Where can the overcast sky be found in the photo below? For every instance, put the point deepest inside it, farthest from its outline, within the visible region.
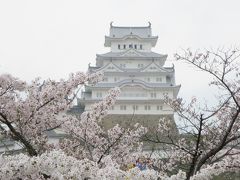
(51, 38)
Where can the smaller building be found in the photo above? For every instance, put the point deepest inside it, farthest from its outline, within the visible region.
(9, 146)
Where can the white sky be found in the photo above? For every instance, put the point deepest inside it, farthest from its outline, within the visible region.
(51, 38)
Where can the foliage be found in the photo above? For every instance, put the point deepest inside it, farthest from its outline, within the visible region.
(211, 135)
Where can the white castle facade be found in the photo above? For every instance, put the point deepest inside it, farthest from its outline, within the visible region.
(139, 72)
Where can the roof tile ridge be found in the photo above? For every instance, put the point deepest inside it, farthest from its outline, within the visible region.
(112, 26)
(134, 50)
(162, 68)
(158, 53)
(103, 67)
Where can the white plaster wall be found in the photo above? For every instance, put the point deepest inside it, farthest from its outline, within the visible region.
(146, 78)
(131, 64)
(166, 110)
(135, 92)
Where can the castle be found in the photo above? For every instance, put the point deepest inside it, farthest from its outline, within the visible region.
(139, 72)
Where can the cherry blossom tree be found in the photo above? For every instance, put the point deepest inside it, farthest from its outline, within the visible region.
(210, 136)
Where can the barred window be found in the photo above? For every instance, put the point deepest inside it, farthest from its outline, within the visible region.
(153, 95)
(135, 107)
(159, 79)
(159, 107)
(147, 107)
(123, 107)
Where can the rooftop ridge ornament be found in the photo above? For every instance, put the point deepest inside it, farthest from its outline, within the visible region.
(149, 24)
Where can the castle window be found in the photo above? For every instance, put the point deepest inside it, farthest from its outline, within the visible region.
(159, 107)
(140, 65)
(123, 107)
(135, 46)
(124, 46)
(116, 79)
(112, 108)
(168, 79)
(141, 46)
(130, 46)
(135, 107)
(159, 79)
(153, 95)
(119, 46)
(147, 107)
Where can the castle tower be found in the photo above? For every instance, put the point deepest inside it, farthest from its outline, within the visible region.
(139, 72)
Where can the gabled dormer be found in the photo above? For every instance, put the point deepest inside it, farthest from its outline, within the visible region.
(154, 67)
(131, 53)
(110, 67)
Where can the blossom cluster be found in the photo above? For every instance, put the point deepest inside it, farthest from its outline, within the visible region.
(86, 137)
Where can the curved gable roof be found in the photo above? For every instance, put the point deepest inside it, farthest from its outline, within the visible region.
(108, 65)
(137, 54)
(120, 32)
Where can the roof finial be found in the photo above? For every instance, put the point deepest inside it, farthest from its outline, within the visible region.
(111, 24)
(149, 24)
